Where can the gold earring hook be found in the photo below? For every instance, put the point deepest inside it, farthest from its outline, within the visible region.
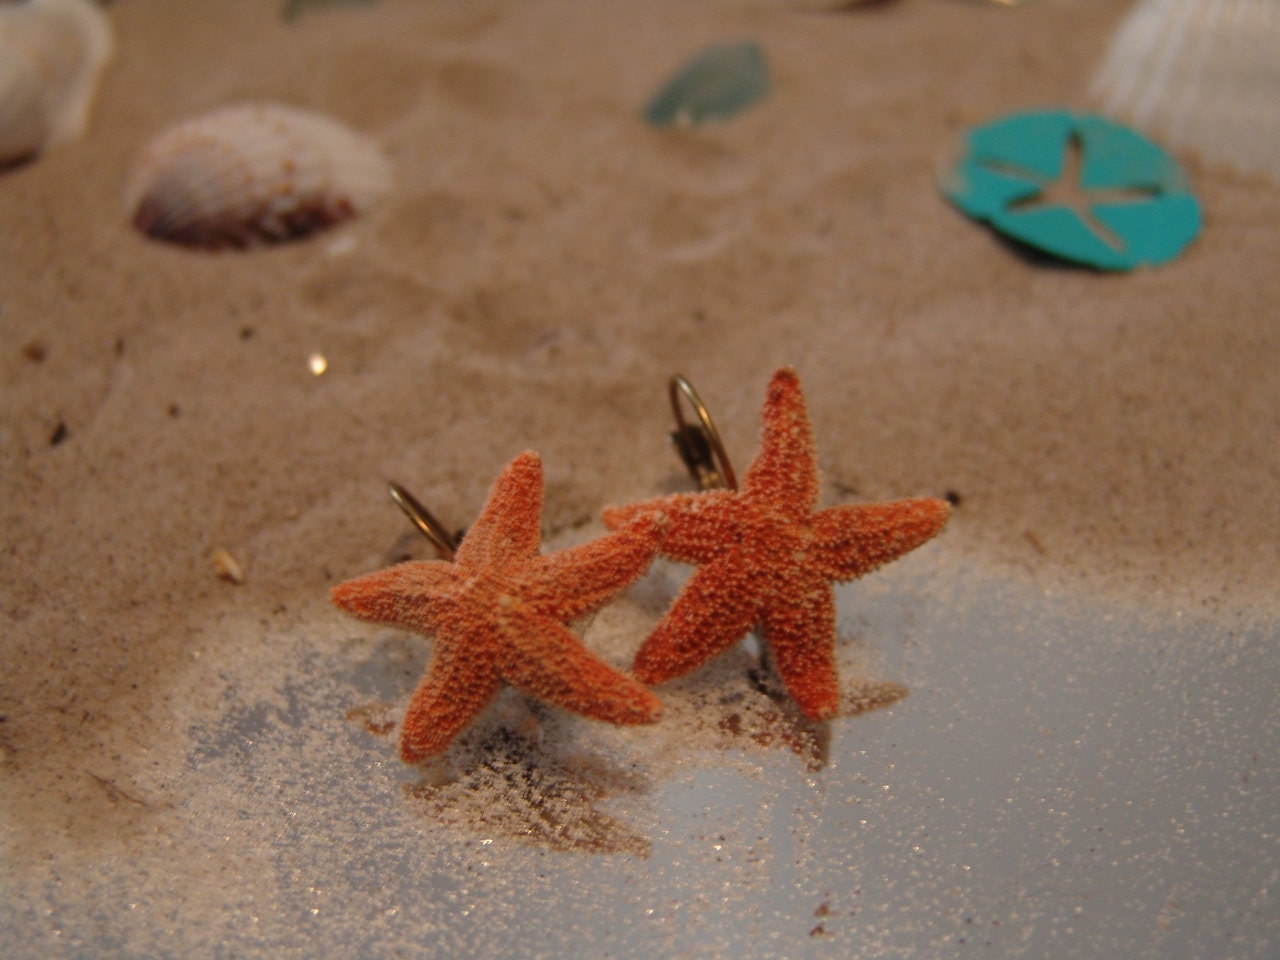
(699, 444)
(446, 544)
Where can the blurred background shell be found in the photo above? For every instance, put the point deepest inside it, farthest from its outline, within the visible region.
(51, 53)
(1201, 75)
(253, 174)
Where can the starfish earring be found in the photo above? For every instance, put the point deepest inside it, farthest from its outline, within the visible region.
(499, 610)
(767, 559)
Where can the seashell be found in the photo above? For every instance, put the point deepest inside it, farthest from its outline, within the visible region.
(1203, 75)
(51, 53)
(248, 175)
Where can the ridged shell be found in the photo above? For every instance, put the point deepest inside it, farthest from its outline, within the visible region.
(1203, 76)
(253, 174)
(51, 52)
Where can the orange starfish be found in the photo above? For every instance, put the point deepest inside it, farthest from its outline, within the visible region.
(769, 560)
(498, 614)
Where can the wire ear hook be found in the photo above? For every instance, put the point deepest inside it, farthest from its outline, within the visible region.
(699, 445)
(446, 544)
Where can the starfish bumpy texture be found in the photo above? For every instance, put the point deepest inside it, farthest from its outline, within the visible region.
(498, 615)
(768, 559)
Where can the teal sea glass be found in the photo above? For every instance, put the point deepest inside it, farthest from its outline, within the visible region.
(296, 8)
(716, 84)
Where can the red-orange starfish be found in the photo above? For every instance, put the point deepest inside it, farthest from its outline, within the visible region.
(498, 614)
(769, 560)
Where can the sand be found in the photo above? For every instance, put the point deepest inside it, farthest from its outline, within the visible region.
(545, 263)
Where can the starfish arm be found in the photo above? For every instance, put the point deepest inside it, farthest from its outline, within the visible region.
(453, 692)
(714, 610)
(568, 583)
(784, 474)
(800, 631)
(698, 521)
(546, 661)
(507, 529)
(399, 596)
(854, 539)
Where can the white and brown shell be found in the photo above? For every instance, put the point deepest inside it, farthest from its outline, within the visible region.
(248, 175)
(51, 53)
(1202, 76)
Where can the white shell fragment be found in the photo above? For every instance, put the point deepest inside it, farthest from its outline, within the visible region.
(1203, 76)
(248, 175)
(51, 52)
(227, 567)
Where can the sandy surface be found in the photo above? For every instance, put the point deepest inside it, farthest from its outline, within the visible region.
(545, 263)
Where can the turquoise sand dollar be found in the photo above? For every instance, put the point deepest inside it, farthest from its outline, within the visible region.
(1077, 186)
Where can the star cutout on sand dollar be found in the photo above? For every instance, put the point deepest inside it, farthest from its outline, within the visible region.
(1077, 186)
(499, 613)
(768, 559)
